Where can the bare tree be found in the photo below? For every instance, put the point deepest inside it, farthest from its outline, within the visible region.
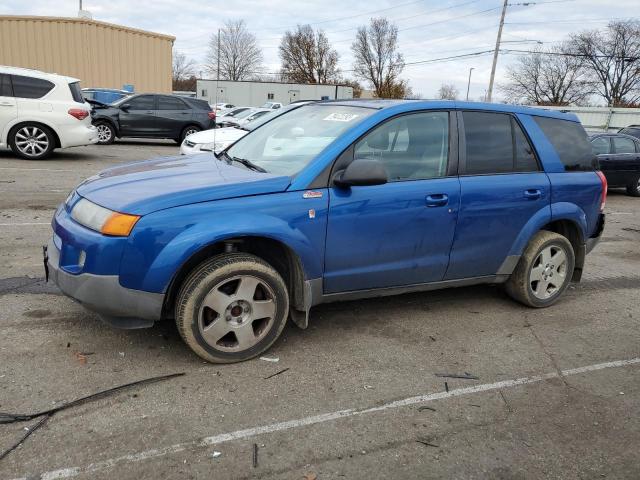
(377, 59)
(448, 91)
(307, 56)
(183, 68)
(239, 55)
(613, 58)
(554, 77)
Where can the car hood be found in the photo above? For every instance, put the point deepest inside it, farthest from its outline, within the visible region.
(144, 187)
(217, 135)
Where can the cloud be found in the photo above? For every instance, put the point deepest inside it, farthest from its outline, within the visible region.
(428, 29)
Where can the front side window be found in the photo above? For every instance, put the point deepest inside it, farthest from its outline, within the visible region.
(28, 87)
(624, 145)
(287, 143)
(601, 145)
(411, 147)
(170, 103)
(144, 102)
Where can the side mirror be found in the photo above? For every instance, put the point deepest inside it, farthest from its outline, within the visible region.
(125, 107)
(362, 172)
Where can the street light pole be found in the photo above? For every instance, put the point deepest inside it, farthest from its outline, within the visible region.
(496, 51)
(469, 82)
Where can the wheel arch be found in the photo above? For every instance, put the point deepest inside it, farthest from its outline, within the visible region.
(22, 123)
(275, 252)
(571, 230)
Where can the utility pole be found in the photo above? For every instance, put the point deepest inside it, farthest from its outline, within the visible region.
(469, 82)
(496, 51)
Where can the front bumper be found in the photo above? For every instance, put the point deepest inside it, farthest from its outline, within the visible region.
(118, 306)
(189, 148)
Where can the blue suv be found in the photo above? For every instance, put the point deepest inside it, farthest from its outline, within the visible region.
(333, 201)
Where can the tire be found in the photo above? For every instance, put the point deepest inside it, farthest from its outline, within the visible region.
(216, 313)
(633, 188)
(32, 141)
(540, 264)
(106, 133)
(186, 131)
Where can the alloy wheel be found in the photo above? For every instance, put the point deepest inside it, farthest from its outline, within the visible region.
(237, 313)
(549, 272)
(104, 133)
(31, 141)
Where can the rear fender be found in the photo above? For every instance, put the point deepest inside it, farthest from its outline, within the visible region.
(533, 226)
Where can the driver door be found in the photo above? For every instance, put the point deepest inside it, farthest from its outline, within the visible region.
(139, 118)
(399, 233)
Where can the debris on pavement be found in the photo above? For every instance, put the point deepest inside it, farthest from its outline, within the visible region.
(277, 373)
(427, 443)
(216, 454)
(270, 359)
(310, 476)
(424, 407)
(6, 418)
(465, 376)
(446, 386)
(255, 455)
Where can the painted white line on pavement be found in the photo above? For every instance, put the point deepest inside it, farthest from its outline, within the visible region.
(327, 417)
(26, 224)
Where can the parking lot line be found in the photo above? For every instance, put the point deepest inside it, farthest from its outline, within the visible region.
(25, 224)
(70, 472)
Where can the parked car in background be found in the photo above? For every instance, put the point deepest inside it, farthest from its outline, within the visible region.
(216, 140)
(619, 158)
(218, 107)
(104, 95)
(272, 105)
(40, 112)
(633, 130)
(257, 113)
(152, 116)
(230, 117)
(333, 201)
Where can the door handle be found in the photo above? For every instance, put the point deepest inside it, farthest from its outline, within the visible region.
(533, 194)
(149, 112)
(437, 200)
(6, 104)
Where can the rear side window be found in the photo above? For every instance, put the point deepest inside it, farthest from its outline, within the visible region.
(76, 92)
(624, 145)
(28, 87)
(570, 141)
(601, 145)
(5, 86)
(170, 103)
(495, 143)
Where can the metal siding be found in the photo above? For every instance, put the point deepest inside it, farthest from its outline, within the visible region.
(99, 54)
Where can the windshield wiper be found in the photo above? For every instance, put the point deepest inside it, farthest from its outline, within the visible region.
(243, 161)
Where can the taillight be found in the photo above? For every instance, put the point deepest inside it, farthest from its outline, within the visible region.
(79, 113)
(603, 199)
(212, 115)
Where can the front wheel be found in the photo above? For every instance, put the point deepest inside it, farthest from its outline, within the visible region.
(231, 308)
(633, 188)
(188, 131)
(544, 271)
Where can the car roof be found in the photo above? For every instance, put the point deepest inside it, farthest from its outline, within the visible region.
(36, 74)
(381, 104)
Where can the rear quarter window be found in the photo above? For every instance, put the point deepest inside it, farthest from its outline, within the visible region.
(29, 87)
(571, 143)
(76, 92)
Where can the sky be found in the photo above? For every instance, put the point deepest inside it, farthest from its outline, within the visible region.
(428, 30)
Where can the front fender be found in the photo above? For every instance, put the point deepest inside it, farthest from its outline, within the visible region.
(163, 241)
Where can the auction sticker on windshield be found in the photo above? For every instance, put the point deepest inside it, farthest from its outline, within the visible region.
(341, 117)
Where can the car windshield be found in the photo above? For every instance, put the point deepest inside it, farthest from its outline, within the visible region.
(244, 114)
(286, 144)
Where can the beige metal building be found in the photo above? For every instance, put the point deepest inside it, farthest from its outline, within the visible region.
(99, 54)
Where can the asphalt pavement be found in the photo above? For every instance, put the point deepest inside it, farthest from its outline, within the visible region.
(356, 395)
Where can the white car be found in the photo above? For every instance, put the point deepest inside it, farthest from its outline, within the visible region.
(218, 107)
(272, 105)
(224, 117)
(257, 113)
(42, 111)
(216, 140)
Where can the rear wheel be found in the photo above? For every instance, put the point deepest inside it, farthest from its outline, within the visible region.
(544, 271)
(232, 308)
(188, 130)
(633, 188)
(106, 133)
(32, 141)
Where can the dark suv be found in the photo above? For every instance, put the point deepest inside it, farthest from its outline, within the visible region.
(151, 116)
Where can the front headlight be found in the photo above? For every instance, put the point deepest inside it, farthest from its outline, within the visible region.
(212, 147)
(102, 219)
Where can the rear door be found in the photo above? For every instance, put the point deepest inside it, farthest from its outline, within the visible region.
(625, 161)
(139, 119)
(172, 115)
(8, 106)
(399, 233)
(502, 187)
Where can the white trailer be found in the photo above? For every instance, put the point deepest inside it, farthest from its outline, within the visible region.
(255, 94)
(604, 119)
